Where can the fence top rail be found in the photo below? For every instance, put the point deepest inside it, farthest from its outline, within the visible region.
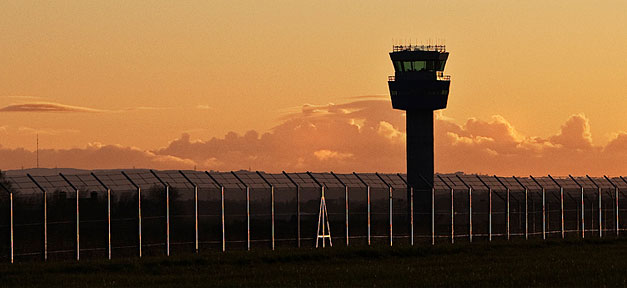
(22, 184)
(327, 179)
(144, 179)
(303, 180)
(116, 181)
(252, 179)
(53, 183)
(174, 179)
(227, 180)
(85, 182)
(200, 179)
(372, 180)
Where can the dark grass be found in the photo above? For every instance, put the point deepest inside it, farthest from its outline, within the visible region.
(517, 263)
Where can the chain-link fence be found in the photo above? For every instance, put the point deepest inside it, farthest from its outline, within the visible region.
(109, 214)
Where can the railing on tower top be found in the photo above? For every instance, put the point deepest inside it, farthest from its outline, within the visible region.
(439, 76)
(438, 48)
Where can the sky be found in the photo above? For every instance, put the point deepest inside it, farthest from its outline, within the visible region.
(537, 86)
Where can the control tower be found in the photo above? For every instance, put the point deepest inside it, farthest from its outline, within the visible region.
(419, 87)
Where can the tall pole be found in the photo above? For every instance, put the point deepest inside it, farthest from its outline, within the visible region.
(167, 212)
(139, 218)
(11, 204)
(490, 208)
(346, 205)
(411, 208)
(248, 209)
(223, 231)
(616, 203)
(469, 207)
(583, 225)
(222, 209)
(452, 209)
(561, 202)
(600, 206)
(248, 217)
(272, 196)
(195, 209)
(167, 220)
(507, 228)
(78, 239)
(526, 207)
(368, 196)
(196, 218)
(390, 204)
(297, 208)
(139, 212)
(543, 207)
(109, 223)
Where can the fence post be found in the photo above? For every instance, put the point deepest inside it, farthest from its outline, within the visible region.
(139, 217)
(543, 207)
(368, 215)
(583, 223)
(45, 225)
(600, 215)
(469, 207)
(298, 215)
(411, 212)
(411, 208)
(78, 238)
(452, 216)
(452, 209)
(508, 234)
(108, 214)
(139, 211)
(616, 203)
(543, 213)
(391, 233)
(247, 218)
(196, 217)
(109, 223)
(600, 201)
(562, 208)
(223, 231)
(561, 203)
(490, 214)
(196, 244)
(272, 196)
(11, 204)
(390, 204)
(346, 211)
(297, 207)
(526, 214)
(167, 219)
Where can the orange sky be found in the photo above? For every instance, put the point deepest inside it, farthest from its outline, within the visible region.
(137, 75)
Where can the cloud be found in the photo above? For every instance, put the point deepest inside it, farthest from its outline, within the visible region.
(94, 156)
(33, 131)
(46, 107)
(363, 135)
(204, 107)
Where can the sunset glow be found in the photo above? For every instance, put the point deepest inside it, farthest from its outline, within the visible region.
(538, 87)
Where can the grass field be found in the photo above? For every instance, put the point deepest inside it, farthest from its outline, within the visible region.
(530, 263)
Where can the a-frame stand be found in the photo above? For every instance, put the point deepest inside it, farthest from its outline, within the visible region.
(323, 220)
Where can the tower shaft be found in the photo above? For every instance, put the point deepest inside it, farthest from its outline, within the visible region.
(420, 155)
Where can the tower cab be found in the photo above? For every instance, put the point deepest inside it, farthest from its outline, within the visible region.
(419, 82)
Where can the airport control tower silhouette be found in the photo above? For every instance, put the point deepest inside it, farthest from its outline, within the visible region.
(419, 87)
